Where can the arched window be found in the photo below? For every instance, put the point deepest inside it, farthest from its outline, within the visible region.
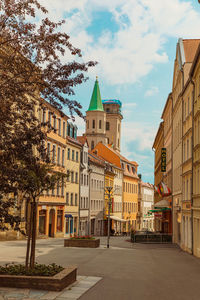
(99, 124)
(93, 123)
(92, 145)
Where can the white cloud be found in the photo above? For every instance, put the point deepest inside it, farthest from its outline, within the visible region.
(152, 91)
(144, 26)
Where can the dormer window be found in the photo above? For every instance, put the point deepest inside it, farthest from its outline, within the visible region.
(133, 170)
(123, 166)
(128, 168)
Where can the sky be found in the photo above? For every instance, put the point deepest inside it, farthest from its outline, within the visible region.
(134, 43)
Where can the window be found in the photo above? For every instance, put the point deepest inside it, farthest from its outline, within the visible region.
(68, 175)
(59, 220)
(68, 153)
(59, 126)
(53, 191)
(72, 198)
(67, 198)
(118, 143)
(187, 149)
(54, 154)
(48, 149)
(58, 158)
(44, 115)
(54, 123)
(77, 156)
(42, 221)
(107, 126)
(92, 145)
(76, 199)
(72, 176)
(93, 123)
(64, 133)
(58, 189)
(76, 178)
(99, 124)
(133, 170)
(128, 168)
(123, 166)
(62, 187)
(87, 179)
(72, 154)
(118, 127)
(49, 119)
(63, 157)
(87, 124)
(84, 179)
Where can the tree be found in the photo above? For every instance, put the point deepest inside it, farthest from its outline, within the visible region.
(31, 69)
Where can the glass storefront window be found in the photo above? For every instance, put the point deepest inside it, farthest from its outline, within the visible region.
(42, 221)
(59, 220)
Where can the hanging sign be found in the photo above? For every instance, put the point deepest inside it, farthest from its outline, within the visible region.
(163, 160)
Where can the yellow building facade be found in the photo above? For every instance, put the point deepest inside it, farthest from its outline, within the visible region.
(51, 205)
(186, 222)
(195, 76)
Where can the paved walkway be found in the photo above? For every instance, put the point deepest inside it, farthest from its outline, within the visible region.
(72, 292)
(128, 271)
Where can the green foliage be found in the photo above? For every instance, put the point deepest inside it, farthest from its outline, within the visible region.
(38, 270)
(82, 237)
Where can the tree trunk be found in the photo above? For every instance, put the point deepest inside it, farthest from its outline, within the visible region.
(29, 230)
(33, 241)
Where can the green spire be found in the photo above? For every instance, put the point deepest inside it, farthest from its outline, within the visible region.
(95, 102)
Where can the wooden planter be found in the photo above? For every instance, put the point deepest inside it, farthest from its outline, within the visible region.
(55, 283)
(90, 243)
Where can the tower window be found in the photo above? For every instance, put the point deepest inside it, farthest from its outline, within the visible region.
(99, 124)
(93, 123)
(118, 127)
(92, 145)
(107, 126)
(87, 124)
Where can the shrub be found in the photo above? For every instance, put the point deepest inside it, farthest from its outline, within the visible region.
(38, 270)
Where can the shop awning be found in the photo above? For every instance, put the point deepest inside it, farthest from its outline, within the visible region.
(159, 209)
(117, 219)
(68, 216)
(162, 203)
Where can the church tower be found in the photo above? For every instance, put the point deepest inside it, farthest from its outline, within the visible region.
(112, 107)
(95, 119)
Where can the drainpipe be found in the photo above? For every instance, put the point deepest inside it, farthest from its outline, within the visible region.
(79, 193)
(192, 147)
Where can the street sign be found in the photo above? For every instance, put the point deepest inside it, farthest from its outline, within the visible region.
(163, 160)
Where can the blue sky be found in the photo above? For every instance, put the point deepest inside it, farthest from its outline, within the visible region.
(134, 42)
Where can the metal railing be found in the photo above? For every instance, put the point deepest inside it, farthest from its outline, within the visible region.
(157, 238)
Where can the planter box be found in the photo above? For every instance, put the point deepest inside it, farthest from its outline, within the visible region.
(55, 283)
(82, 243)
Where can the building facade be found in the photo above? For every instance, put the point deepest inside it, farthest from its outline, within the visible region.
(96, 195)
(73, 185)
(146, 205)
(84, 216)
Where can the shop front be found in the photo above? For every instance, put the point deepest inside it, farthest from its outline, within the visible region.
(50, 221)
(71, 225)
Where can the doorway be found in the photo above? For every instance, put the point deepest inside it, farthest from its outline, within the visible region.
(51, 222)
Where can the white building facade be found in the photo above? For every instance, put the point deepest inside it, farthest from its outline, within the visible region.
(147, 202)
(84, 217)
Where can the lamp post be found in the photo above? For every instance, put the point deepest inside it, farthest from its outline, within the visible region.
(109, 191)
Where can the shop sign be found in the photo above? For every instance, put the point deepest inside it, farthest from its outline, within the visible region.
(163, 160)
(158, 215)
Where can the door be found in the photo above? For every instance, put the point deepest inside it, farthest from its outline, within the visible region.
(51, 222)
(71, 226)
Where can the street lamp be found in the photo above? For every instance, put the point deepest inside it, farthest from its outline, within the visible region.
(109, 191)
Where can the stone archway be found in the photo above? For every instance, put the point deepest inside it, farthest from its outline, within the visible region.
(52, 222)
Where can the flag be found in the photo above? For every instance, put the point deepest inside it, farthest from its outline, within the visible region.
(165, 190)
(157, 189)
